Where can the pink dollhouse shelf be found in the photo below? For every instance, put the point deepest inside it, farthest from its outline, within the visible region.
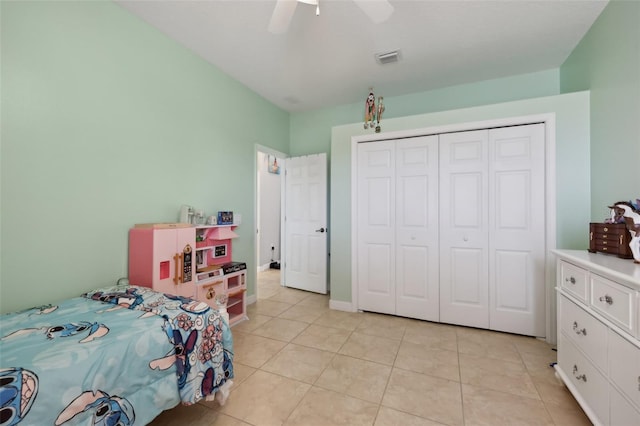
(221, 233)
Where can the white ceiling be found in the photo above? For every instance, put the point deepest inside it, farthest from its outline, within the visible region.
(329, 60)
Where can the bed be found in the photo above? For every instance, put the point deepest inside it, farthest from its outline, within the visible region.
(114, 356)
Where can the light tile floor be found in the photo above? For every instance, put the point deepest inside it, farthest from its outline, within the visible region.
(299, 363)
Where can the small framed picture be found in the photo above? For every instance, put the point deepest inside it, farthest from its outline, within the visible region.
(273, 166)
(225, 218)
(220, 251)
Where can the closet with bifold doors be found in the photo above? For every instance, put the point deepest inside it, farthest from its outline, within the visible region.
(451, 228)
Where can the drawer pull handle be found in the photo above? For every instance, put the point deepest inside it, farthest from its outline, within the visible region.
(577, 330)
(605, 229)
(571, 280)
(582, 377)
(607, 299)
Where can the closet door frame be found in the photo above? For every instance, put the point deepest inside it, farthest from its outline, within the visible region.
(549, 120)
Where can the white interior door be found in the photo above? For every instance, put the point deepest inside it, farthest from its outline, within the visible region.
(517, 229)
(376, 227)
(417, 245)
(464, 292)
(305, 220)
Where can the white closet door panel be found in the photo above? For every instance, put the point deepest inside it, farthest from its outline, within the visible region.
(417, 250)
(413, 269)
(464, 296)
(467, 267)
(465, 202)
(464, 293)
(511, 270)
(517, 229)
(375, 278)
(376, 227)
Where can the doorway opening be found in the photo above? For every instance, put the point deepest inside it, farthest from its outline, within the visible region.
(269, 198)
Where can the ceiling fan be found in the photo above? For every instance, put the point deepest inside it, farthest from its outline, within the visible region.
(377, 10)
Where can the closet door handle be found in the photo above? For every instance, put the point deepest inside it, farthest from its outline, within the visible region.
(321, 230)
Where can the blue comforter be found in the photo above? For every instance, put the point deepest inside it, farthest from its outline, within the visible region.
(114, 355)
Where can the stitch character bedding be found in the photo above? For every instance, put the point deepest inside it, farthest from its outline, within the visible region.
(116, 356)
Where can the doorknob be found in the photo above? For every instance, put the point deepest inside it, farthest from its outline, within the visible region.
(320, 230)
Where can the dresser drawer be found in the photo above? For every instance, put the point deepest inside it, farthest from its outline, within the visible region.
(574, 280)
(624, 366)
(585, 331)
(622, 413)
(614, 301)
(587, 380)
(605, 246)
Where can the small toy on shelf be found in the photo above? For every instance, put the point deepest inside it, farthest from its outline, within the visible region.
(380, 111)
(370, 110)
(186, 214)
(628, 213)
(225, 218)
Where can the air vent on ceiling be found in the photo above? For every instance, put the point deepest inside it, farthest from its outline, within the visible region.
(387, 57)
(292, 100)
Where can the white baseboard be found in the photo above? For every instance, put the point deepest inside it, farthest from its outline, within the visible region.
(339, 305)
(252, 299)
(336, 305)
(265, 267)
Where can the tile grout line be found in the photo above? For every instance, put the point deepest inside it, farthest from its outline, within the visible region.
(393, 365)
(460, 379)
(544, 403)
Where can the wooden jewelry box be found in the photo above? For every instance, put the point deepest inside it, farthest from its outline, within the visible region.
(612, 238)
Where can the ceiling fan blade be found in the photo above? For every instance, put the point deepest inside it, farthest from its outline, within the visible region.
(281, 17)
(377, 10)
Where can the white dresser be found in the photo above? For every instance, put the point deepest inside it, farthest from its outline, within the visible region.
(598, 338)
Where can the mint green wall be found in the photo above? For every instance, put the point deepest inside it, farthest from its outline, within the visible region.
(572, 170)
(607, 62)
(106, 123)
(311, 131)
